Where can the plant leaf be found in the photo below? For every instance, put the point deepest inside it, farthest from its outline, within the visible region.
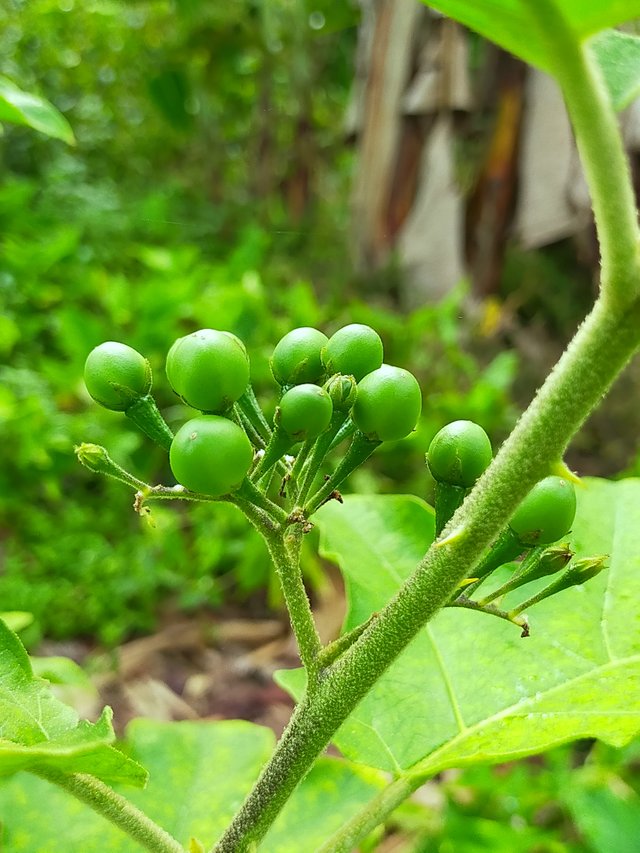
(40, 731)
(199, 801)
(511, 24)
(19, 107)
(468, 689)
(618, 55)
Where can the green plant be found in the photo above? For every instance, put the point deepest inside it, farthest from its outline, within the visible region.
(401, 576)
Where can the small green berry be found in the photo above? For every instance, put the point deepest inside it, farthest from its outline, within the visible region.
(209, 369)
(211, 455)
(116, 375)
(304, 412)
(388, 404)
(546, 513)
(459, 453)
(296, 357)
(353, 350)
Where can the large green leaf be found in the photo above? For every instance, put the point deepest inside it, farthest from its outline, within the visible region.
(514, 24)
(199, 774)
(37, 730)
(19, 107)
(468, 688)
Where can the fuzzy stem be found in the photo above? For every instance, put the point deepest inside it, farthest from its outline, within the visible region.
(447, 500)
(146, 416)
(359, 451)
(601, 151)
(320, 450)
(285, 553)
(248, 403)
(373, 814)
(115, 808)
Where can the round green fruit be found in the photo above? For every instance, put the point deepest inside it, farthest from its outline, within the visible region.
(353, 350)
(459, 453)
(304, 412)
(116, 375)
(388, 404)
(209, 369)
(296, 358)
(547, 512)
(211, 455)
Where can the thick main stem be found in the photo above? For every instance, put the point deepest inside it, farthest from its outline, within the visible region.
(116, 809)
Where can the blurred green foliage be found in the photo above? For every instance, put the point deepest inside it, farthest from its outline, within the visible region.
(581, 798)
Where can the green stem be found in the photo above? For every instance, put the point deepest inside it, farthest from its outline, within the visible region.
(243, 421)
(279, 444)
(249, 404)
(285, 553)
(320, 450)
(332, 651)
(252, 494)
(447, 500)
(491, 610)
(506, 548)
(146, 416)
(601, 151)
(372, 815)
(359, 451)
(114, 808)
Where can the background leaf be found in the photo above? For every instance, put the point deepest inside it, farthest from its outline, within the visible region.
(18, 107)
(40, 731)
(188, 793)
(469, 689)
(618, 55)
(511, 24)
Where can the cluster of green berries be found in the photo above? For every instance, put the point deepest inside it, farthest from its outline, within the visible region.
(461, 452)
(457, 456)
(323, 380)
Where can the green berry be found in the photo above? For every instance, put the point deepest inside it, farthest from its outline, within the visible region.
(388, 404)
(547, 512)
(116, 375)
(209, 369)
(304, 412)
(296, 357)
(353, 350)
(459, 453)
(211, 455)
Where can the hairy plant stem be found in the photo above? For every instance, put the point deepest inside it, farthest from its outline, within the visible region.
(601, 152)
(114, 808)
(365, 821)
(601, 348)
(285, 553)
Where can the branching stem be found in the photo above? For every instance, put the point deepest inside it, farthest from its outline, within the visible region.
(114, 808)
